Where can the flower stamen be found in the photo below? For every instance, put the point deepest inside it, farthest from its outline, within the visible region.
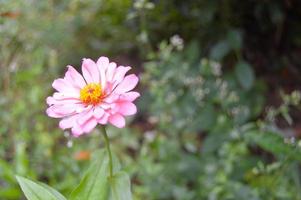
(91, 94)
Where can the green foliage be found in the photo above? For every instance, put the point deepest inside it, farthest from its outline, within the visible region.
(199, 83)
(121, 186)
(207, 127)
(219, 107)
(245, 74)
(95, 185)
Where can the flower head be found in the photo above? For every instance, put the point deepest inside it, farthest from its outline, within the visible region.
(102, 95)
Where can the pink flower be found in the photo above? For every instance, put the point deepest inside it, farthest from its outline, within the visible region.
(102, 95)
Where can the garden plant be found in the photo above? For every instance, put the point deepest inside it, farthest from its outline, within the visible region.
(208, 110)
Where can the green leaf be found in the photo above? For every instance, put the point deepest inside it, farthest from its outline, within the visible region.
(220, 50)
(273, 143)
(58, 195)
(207, 117)
(121, 186)
(95, 184)
(235, 39)
(38, 191)
(244, 74)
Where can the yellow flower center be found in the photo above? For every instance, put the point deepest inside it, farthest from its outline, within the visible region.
(91, 94)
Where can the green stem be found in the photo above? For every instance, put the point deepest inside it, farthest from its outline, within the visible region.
(109, 150)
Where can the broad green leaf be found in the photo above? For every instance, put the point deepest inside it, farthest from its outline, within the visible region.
(38, 191)
(121, 186)
(220, 50)
(244, 74)
(58, 195)
(95, 183)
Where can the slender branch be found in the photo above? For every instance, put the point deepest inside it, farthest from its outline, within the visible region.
(108, 149)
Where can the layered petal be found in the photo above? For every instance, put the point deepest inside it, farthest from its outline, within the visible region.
(84, 117)
(89, 125)
(111, 71)
(74, 77)
(127, 84)
(90, 71)
(129, 96)
(127, 108)
(64, 110)
(117, 120)
(119, 75)
(98, 112)
(77, 130)
(68, 122)
(104, 119)
(52, 101)
(102, 64)
(63, 86)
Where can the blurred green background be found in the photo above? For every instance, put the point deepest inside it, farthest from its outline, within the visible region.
(219, 117)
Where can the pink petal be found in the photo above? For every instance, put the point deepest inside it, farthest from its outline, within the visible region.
(64, 109)
(114, 108)
(111, 98)
(117, 120)
(111, 71)
(127, 108)
(63, 86)
(75, 77)
(68, 122)
(52, 101)
(77, 130)
(128, 83)
(59, 111)
(90, 71)
(103, 63)
(98, 112)
(129, 96)
(104, 119)
(108, 88)
(119, 74)
(85, 116)
(105, 106)
(61, 96)
(89, 125)
(53, 114)
(82, 108)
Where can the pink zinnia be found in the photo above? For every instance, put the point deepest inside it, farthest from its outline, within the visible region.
(102, 95)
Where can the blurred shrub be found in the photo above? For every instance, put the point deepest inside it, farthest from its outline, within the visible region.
(210, 142)
(192, 92)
